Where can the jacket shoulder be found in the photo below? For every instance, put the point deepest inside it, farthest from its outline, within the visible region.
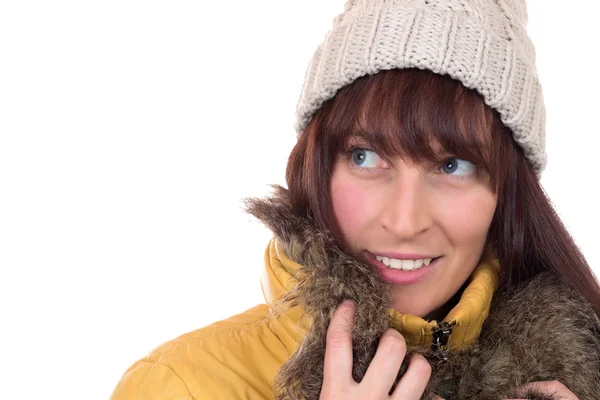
(234, 358)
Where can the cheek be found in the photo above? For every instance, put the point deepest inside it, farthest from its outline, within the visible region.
(350, 204)
(468, 218)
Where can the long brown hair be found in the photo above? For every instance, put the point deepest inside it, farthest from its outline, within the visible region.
(401, 112)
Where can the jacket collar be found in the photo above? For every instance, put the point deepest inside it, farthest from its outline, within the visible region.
(281, 274)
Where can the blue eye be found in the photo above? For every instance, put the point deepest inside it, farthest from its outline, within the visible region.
(365, 158)
(465, 168)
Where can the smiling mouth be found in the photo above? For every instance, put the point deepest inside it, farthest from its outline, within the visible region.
(405, 265)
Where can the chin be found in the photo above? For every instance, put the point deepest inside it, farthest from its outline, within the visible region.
(417, 311)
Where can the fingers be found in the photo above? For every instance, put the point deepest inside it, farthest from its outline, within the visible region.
(383, 370)
(415, 379)
(386, 364)
(337, 371)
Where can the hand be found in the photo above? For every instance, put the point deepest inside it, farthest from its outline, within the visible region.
(551, 388)
(338, 382)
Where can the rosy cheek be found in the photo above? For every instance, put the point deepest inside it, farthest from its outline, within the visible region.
(469, 217)
(349, 204)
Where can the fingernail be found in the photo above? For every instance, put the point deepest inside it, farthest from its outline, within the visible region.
(349, 303)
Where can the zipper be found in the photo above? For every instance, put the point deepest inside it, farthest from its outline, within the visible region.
(441, 336)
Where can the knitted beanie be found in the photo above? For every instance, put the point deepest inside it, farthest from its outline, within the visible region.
(482, 43)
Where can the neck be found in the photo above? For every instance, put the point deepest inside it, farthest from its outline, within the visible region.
(440, 313)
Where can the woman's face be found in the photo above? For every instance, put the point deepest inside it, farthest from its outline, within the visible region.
(401, 211)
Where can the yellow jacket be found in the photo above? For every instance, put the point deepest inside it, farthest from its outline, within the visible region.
(238, 358)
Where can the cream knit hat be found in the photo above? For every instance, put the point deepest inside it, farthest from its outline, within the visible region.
(482, 43)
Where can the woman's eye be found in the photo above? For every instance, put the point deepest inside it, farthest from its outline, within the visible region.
(365, 158)
(465, 168)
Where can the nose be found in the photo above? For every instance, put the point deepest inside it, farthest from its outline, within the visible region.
(406, 211)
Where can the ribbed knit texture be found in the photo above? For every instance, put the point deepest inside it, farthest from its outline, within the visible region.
(482, 43)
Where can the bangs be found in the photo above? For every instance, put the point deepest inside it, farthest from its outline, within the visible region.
(414, 114)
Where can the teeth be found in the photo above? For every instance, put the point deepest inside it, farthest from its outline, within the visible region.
(405, 265)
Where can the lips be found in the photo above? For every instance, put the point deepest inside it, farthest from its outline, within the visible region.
(406, 256)
(401, 277)
(404, 264)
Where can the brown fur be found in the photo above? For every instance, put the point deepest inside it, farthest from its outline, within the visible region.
(544, 331)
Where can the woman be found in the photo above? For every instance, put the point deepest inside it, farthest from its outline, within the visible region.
(415, 254)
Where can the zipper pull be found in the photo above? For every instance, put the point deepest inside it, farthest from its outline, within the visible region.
(441, 336)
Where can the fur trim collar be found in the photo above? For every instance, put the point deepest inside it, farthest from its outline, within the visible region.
(465, 319)
(545, 331)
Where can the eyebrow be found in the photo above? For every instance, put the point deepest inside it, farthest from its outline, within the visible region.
(359, 136)
(355, 133)
(439, 150)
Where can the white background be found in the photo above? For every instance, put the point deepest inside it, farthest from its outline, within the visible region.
(130, 131)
